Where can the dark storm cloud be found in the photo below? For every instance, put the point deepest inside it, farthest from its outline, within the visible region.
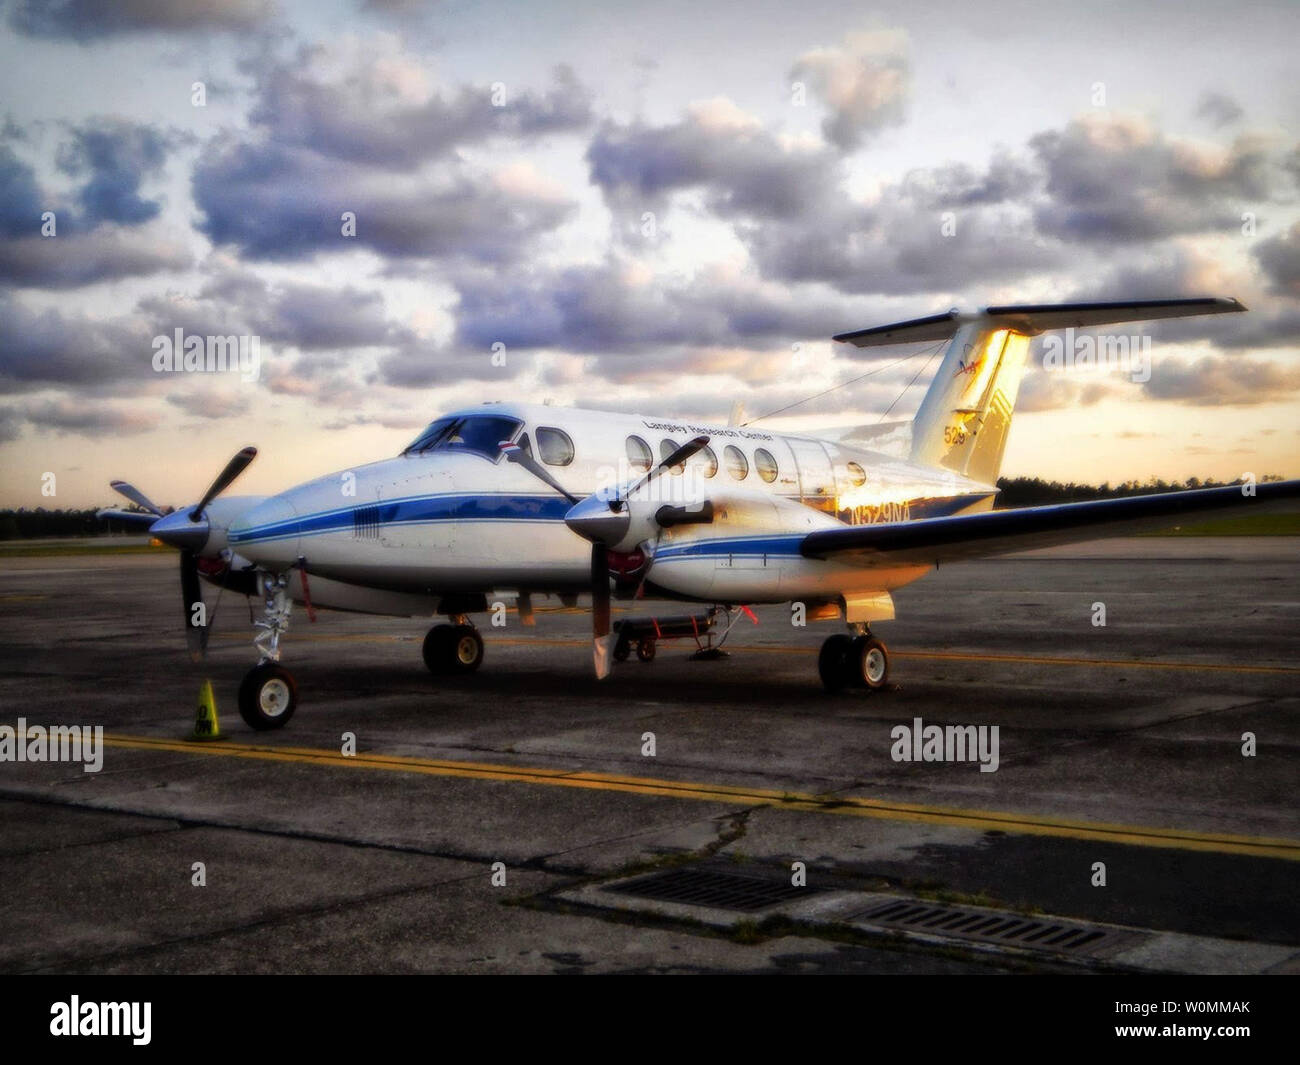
(86, 20)
(1042, 391)
(606, 309)
(20, 196)
(1279, 257)
(1221, 380)
(744, 170)
(425, 365)
(863, 84)
(278, 203)
(115, 157)
(1118, 180)
(95, 237)
(69, 416)
(320, 146)
(790, 207)
(210, 404)
(364, 120)
(1219, 109)
(47, 348)
(70, 261)
(10, 425)
(302, 315)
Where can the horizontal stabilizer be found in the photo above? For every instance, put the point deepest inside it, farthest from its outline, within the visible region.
(1033, 319)
(997, 532)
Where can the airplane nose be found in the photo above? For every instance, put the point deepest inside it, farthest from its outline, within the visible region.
(268, 534)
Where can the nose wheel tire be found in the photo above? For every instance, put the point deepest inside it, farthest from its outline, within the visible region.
(268, 697)
(453, 649)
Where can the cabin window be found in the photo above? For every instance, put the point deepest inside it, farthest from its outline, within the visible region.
(554, 446)
(639, 455)
(666, 448)
(857, 475)
(765, 463)
(737, 464)
(481, 434)
(708, 461)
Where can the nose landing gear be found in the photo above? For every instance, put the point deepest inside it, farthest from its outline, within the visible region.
(268, 695)
(860, 661)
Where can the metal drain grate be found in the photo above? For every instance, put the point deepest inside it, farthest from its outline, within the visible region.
(710, 887)
(1032, 933)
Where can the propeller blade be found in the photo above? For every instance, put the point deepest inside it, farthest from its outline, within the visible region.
(600, 609)
(514, 453)
(196, 636)
(677, 458)
(126, 517)
(233, 469)
(136, 496)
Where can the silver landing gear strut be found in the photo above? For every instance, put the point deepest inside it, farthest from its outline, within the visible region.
(268, 695)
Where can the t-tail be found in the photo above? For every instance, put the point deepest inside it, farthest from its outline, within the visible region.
(965, 418)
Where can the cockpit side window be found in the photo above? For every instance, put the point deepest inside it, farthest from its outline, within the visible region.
(481, 434)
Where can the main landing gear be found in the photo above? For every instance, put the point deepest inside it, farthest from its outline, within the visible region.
(453, 649)
(860, 661)
(268, 695)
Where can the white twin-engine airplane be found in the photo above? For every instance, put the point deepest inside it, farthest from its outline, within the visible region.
(528, 500)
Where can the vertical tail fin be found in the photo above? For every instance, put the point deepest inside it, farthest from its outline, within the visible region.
(965, 418)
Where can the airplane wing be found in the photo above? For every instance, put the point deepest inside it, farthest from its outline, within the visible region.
(933, 540)
(137, 518)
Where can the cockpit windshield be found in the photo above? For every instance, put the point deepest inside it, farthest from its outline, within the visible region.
(481, 434)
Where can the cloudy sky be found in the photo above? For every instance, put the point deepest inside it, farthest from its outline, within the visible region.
(660, 207)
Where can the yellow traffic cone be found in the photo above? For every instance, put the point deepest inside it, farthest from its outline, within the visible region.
(206, 725)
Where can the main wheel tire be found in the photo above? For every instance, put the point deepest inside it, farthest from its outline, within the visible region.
(645, 649)
(833, 662)
(869, 662)
(465, 651)
(268, 697)
(437, 648)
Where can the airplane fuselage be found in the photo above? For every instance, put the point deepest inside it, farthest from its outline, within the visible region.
(455, 518)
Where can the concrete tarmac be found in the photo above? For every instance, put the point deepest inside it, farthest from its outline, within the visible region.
(1119, 746)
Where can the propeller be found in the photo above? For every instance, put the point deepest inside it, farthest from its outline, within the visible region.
(605, 519)
(600, 609)
(187, 530)
(137, 497)
(516, 454)
(196, 636)
(225, 478)
(677, 458)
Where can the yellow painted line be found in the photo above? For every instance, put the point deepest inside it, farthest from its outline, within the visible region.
(955, 656)
(982, 820)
